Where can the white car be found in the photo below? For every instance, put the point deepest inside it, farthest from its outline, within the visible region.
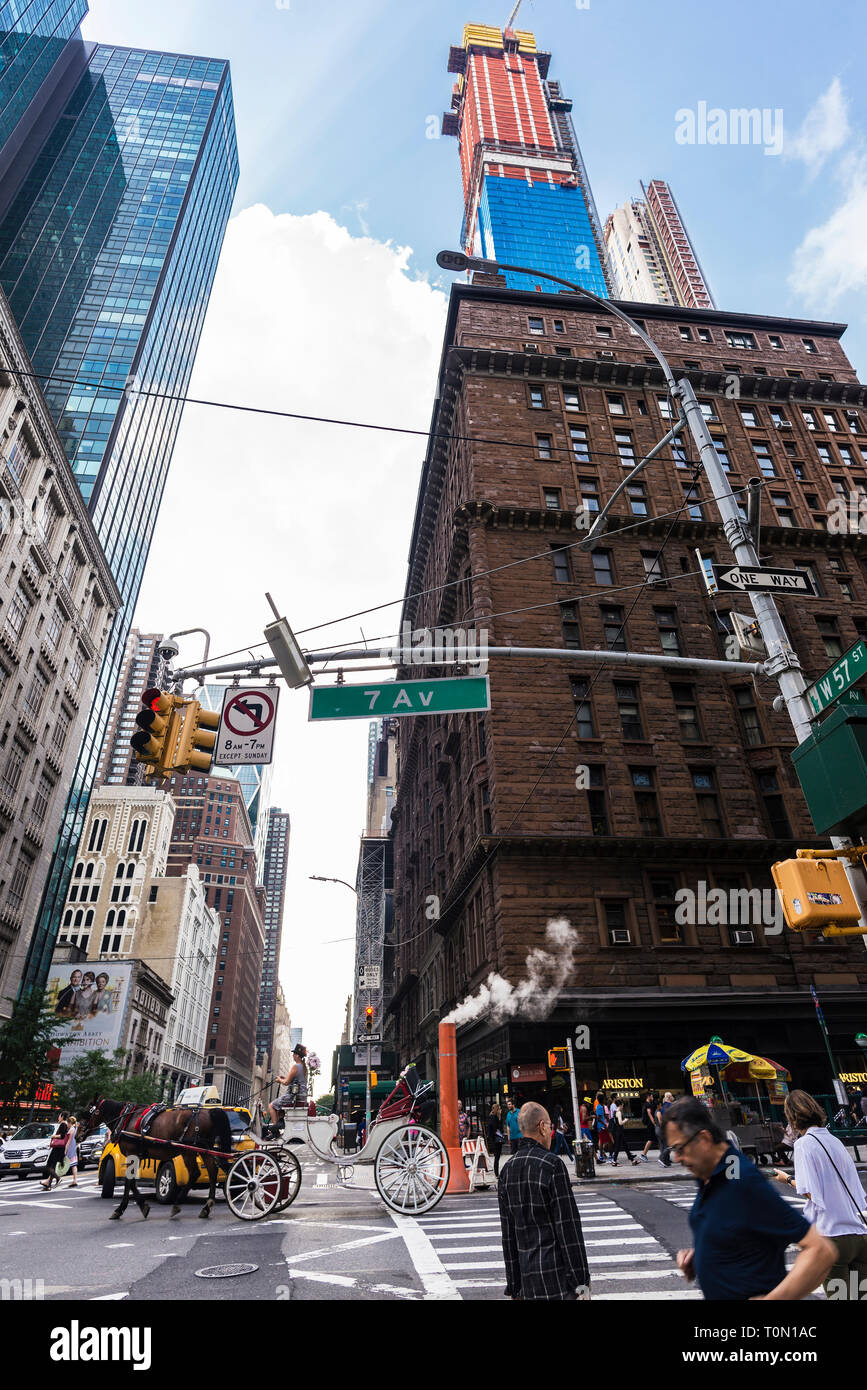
(90, 1149)
(26, 1151)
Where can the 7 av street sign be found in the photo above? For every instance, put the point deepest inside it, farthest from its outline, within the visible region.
(735, 579)
(848, 669)
(393, 698)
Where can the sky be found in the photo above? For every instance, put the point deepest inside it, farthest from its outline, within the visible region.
(328, 301)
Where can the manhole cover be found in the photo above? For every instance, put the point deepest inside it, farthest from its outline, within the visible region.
(225, 1271)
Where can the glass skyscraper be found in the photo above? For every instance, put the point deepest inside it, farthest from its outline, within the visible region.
(34, 37)
(107, 255)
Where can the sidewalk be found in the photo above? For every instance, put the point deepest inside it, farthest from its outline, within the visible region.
(607, 1175)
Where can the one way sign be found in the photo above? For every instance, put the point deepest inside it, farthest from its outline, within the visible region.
(735, 579)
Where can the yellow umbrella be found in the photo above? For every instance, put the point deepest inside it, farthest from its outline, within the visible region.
(715, 1053)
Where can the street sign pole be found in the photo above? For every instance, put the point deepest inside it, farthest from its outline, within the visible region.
(782, 663)
(367, 1095)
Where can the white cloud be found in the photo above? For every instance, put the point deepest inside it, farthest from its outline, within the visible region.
(832, 258)
(825, 128)
(303, 317)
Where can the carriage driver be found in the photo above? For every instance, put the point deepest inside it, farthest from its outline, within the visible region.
(295, 1082)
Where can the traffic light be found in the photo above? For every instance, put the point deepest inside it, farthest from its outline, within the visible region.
(368, 1019)
(158, 723)
(198, 736)
(374, 1080)
(558, 1059)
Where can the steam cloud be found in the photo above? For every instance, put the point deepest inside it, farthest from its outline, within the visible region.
(548, 968)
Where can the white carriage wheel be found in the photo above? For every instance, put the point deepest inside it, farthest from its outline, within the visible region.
(411, 1170)
(253, 1185)
(291, 1170)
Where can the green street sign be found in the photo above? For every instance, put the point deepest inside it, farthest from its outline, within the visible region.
(394, 698)
(848, 669)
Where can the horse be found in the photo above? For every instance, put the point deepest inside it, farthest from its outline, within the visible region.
(205, 1128)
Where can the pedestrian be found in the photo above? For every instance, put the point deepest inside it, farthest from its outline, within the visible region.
(494, 1135)
(559, 1146)
(603, 1134)
(71, 1151)
(463, 1122)
(586, 1119)
(512, 1124)
(648, 1115)
(827, 1177)
(543, 1246)
(664, 1151)
(618, 1131)
(863, 1107)
(56, 1155)
(741, 1227)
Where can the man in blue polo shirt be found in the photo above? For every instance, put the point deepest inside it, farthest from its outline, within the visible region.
(740, 1224)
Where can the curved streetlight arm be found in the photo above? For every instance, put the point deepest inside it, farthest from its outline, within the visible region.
(321, 878)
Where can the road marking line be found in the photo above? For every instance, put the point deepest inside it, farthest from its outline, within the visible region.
(346, 1281)
(643, 1293)
(338, 1249)
(121, 1245)
(57, 1206)
(427, 1264)
(106, 1297)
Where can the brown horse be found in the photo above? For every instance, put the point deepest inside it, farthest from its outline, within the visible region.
(204, 1128)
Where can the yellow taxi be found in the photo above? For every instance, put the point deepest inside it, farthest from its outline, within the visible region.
(170, 1173)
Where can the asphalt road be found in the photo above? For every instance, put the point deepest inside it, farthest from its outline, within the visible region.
(332, 1243)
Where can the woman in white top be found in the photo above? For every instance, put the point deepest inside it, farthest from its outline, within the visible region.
(836, 1201)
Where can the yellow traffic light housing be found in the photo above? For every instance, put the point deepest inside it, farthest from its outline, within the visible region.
(198, 736)
(374, 1080)
(815, 896)
(558, 1059)
(368, 1019)
(157, 735)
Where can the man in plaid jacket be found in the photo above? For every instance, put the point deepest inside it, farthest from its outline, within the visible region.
(542, 1241)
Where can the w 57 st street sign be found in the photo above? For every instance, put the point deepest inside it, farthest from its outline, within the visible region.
(394, 698)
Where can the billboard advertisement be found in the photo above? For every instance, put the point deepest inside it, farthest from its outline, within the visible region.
(92, 997)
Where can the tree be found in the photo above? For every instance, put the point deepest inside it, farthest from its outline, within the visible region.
(325, 1102)
(144, 1087)
(91, 1073)
(26, 1041)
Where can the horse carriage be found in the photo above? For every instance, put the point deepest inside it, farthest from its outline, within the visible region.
(410, 1162)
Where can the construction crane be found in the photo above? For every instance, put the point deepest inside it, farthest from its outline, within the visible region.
(512, 17)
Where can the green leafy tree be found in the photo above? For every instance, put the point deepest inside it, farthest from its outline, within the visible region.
(325, 1102)
(26, 1042)
(90, 1074)
(95, 1073)
(143, 1088)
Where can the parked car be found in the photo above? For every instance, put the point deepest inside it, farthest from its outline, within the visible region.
(90, 1149)
(170, 1173)
(26, 1151)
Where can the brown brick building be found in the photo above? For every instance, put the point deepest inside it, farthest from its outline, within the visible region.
(212, 830)
(542, 403)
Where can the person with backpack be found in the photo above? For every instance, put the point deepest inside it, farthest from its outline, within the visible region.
(651, 1132)
(600, 1124)
(826, 1175)
(512, 1125)
(664, 1150)
(618, 1130)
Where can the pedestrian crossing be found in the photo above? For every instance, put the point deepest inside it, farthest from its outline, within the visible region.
(682, 1194)
(625, 1260)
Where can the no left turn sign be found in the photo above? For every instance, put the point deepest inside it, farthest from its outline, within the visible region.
(246, 733)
